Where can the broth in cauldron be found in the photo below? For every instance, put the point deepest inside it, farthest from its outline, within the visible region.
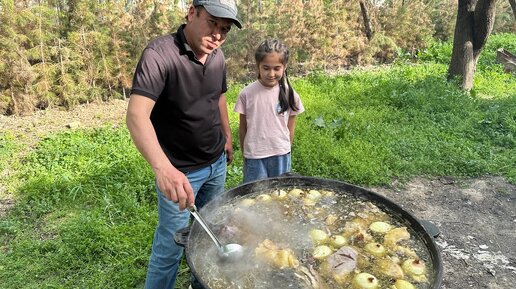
(311, 238)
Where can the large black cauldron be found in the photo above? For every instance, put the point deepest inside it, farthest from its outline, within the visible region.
(425, 231)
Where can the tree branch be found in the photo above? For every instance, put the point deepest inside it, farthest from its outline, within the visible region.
(513, 6)
(367, 21)
(483, 20)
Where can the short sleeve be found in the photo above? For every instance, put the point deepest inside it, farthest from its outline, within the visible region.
(299, 105)
(240, 106)
(150, 75)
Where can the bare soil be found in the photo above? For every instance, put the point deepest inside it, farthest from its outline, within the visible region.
(476, 217)
(477, 223)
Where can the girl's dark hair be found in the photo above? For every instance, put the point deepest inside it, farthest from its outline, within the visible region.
(286, 94)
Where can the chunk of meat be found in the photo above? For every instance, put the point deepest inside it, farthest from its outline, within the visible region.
(395, 235)
(280, 258)
(343, 261)
(311, 277)
(390, 268)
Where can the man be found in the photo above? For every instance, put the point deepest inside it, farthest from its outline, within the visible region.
(178, 120)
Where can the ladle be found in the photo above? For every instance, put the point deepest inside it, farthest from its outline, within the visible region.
(228, 252)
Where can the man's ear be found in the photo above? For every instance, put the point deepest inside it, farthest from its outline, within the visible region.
(191, 13)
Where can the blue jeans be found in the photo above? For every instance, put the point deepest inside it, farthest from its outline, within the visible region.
(207, 183)
(257, 169)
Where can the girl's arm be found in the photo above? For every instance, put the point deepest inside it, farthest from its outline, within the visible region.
(291, 127)
(242, 130)
(224, 120)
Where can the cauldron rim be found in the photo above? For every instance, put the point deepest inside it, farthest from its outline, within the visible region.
(330, 184)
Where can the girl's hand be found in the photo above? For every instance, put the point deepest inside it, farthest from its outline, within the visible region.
(228, 148)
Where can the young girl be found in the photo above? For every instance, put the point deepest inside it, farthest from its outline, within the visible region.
(268, 109)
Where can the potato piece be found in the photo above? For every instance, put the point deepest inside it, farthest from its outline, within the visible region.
(331, 219)
(321, 252)
(308, 202)
(395, 235)
(414, 267)
(390, 268)
(341, 279)
(314, 195)
(264, 198)
(285, 259)
(296, 193)
(402, 284)
(327, 193)
(419, 278)
(404, 251)
(338, 241)
(247, 202)
(380, 227)
(279, 195)
(375, 249)
(355, 227)
(318, 236)
(364, 281)
(358, 222)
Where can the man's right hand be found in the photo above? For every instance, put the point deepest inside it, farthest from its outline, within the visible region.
(175, 186)
(171, 182)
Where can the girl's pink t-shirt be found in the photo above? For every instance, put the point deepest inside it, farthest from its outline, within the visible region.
(267, 132)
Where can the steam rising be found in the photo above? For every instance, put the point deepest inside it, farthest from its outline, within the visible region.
(250, 219)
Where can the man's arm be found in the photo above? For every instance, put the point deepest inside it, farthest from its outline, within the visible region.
(226, 129)
(171, 182)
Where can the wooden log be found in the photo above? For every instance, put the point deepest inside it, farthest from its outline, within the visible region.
(507, 59)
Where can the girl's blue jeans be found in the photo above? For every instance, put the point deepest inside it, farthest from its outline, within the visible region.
(257, 169)
(207, 183)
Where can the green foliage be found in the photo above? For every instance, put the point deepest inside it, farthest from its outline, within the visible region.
(86, 215)
(440, 52)
(411, 29)
(494, 42)
(437, 51)
(368, 128)
(504, 20)
(65, 53)
(9, 146)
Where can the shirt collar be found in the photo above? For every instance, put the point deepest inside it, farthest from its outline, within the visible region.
(184, 48)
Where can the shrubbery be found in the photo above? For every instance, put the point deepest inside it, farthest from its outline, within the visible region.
(62, 55)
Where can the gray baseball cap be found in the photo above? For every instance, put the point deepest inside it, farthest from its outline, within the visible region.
(221, 9)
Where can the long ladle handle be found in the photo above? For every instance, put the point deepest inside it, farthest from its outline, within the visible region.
(197, 216)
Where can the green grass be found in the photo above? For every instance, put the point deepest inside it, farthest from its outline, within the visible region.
(84, 217)
(368, 128)
(9, 147)
(85, 203)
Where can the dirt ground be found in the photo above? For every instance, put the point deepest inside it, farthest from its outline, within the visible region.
(476, 217)
(477, 223)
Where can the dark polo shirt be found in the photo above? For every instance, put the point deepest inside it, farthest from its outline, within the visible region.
(186, 115)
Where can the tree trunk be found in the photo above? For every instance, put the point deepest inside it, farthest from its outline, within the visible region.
(475, 20)
(513, 6)
(367, 21)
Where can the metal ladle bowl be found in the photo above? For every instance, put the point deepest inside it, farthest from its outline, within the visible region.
(228, 252)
